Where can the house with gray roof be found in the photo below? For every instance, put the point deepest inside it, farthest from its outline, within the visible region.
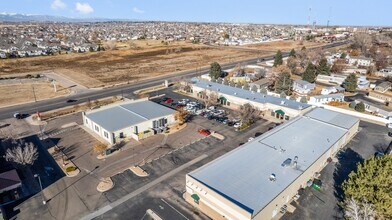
(303, 87)
(260, 178)
(135, 119)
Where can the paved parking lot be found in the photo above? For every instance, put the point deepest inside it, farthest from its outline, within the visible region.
(323, 203)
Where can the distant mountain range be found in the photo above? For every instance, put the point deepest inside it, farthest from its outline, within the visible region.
(15, 17)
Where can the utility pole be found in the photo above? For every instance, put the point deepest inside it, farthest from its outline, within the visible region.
(40, 184)
(35, 97)
(54, 85)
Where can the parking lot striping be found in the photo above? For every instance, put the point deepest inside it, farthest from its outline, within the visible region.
(125, 198)
(174, 209)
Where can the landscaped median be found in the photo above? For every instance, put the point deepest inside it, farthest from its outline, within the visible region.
(68, 167)
(105, 185)
(138, 171)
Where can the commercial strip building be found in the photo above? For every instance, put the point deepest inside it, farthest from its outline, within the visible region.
(232, 97)
(257, 179)
(135, 119)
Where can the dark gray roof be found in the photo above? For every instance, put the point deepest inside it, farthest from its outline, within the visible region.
(242, 175)
(119, 116)
(246, 94)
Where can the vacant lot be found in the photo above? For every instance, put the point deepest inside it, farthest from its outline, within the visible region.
(129, 62)
(19, 93)
(283, 45)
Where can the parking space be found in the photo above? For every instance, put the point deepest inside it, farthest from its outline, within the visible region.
(324, 203)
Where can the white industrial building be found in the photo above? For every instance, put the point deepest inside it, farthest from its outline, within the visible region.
(130, 119)
(260, 177)
(324, 99)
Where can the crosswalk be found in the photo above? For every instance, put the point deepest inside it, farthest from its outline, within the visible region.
(57, 132)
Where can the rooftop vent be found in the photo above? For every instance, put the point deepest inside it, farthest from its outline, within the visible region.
(286, 163)
(272, 177)
(235, 93)
(282, 102)
(300, 107)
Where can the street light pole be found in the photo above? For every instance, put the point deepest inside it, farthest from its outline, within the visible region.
(40, 184)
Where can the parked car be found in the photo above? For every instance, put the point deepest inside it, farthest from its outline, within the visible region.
(251, 139)
(168, 101)
(237, 125)
(17, 115)
(71, 100)
(204, 132)
(390, 134)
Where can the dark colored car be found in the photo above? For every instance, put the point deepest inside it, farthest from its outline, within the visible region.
(390, 134)
(71, 100)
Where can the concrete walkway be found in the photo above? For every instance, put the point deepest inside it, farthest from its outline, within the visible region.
(114, 204)
(66, 82)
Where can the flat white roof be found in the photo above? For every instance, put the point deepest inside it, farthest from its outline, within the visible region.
(119, 116)
(242, 175)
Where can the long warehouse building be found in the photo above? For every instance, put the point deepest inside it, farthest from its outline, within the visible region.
(257, 179)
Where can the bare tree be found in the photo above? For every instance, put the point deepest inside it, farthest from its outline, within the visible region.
(357, 210)
(248, 113)
(209, 98)
(21, 153)
(352, 209)
(362, 41)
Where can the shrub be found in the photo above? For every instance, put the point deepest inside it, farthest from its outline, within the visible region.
(352, 104)
(360, 107)
(70, 169)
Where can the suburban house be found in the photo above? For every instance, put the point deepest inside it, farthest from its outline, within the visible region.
(363, 83)
(385, 72)
(135, 119)
(333, 78)
(379, 110)
(303, 87)
(261, 83)
(234, 98)
(360, 61)
(383, 87)
(385, 97)
(324, 99)
(260, 178)
(332, 89)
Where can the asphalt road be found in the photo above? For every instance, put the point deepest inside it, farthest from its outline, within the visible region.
(47, 105)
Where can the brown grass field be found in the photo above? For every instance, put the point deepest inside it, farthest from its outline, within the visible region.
(133, 61)
(20, 93)
(283, 45)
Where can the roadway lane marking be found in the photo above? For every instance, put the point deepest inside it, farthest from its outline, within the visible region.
(142, 189)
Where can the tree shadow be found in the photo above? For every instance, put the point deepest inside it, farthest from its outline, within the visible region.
(347, 162)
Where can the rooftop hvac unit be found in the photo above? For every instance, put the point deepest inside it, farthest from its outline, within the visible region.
(272, 177)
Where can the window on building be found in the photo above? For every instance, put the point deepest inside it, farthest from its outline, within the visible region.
(86, 121)
(105, 134)
(96, 128)
(286, 117)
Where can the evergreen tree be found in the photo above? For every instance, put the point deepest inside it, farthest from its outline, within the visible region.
(215, 70)
(245, 86)
(360, 107)
(350, 84)
(225, 81)
(310, 73)
(253, 88)
(292, 53)
(323, 67)
(283, 95)
(232, 83)
(371, 183)
(284, 83)
(303, 99)
(278, 59)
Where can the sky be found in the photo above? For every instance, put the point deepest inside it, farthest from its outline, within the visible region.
(339, 12)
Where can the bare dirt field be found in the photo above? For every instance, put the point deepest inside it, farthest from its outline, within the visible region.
(283, 45)
(20, 93)
(130, 62)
